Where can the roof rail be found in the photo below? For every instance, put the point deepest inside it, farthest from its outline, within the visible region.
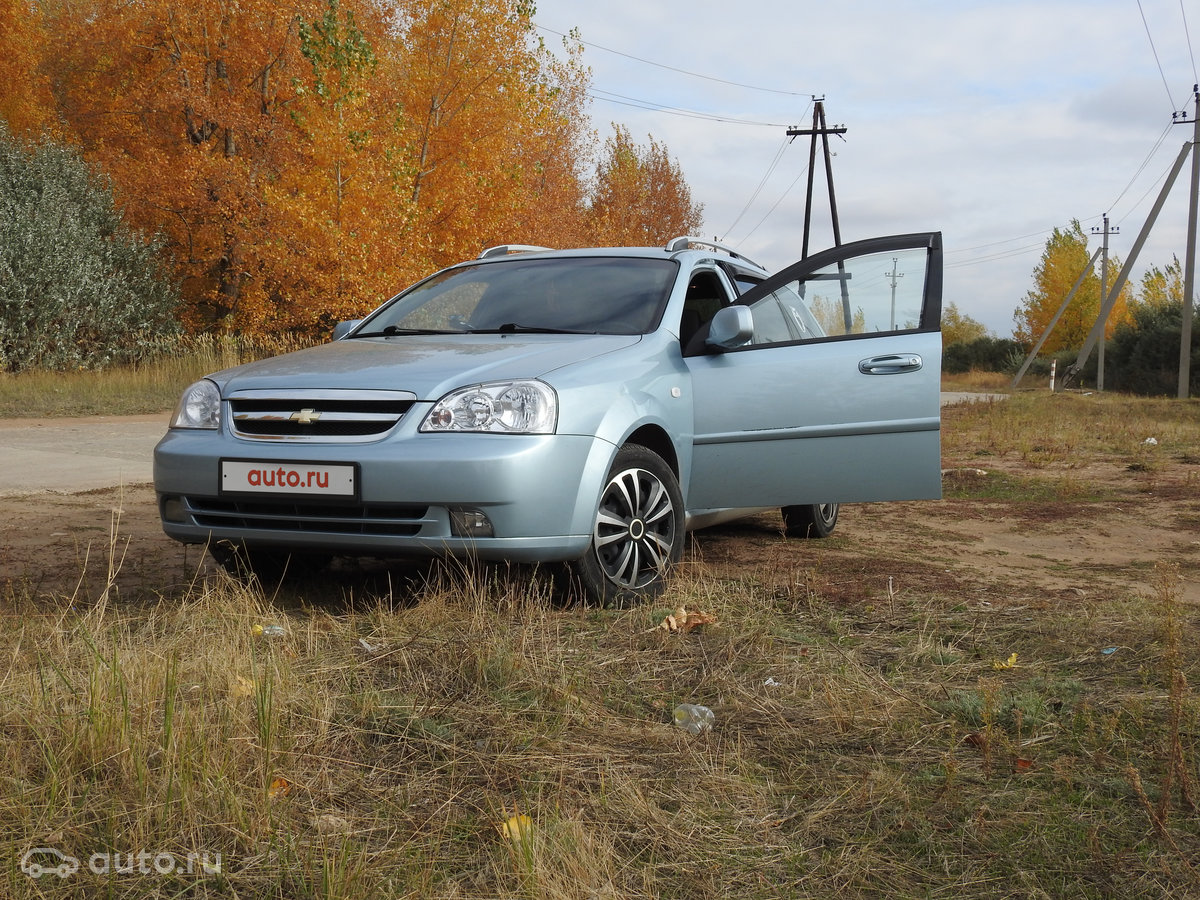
(505, 249)
(682, 243)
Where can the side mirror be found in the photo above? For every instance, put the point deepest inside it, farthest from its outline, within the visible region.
(731, 327)
(341, 329)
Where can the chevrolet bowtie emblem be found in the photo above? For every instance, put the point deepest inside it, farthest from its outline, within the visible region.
(305, 416)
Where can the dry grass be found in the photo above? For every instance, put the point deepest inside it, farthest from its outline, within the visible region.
(867, 743)
(977, 380)
(151, 387)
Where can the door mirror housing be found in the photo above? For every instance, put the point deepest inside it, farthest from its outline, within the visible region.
(343, 328)
(732, 327)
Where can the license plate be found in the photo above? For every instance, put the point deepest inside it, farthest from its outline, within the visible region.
(250, 476)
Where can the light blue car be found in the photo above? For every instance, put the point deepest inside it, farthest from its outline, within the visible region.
(586, 407)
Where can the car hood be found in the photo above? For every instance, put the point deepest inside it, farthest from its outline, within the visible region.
(427, 365)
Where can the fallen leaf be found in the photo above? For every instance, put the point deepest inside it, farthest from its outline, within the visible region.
(280, 787)
(1024, 765)
(243, 687)
(682, 621)
(976, 739)
(517, 828)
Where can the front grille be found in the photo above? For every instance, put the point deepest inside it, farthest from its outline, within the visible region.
(317, 415)
(383, 520)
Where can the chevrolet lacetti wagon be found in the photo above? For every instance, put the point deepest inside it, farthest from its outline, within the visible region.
(585, 407)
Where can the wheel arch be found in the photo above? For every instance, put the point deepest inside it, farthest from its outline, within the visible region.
(655, 438)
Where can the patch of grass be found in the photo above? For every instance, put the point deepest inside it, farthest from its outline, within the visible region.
(977, 381)
(151, 387)
(1068, 428)
(875, 734)
(981, 484)
(376, 748)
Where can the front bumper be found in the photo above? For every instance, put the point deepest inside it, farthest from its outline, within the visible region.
(538, 491)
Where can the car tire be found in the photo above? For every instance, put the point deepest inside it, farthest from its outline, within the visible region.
(244, 562)
(638, 531)
(815, 520)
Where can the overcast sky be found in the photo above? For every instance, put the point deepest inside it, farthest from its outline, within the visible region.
(991, 122)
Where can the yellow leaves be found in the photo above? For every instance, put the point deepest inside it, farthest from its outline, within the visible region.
(1010, 663)
(683, 621)
(517, 828)
(290, 188)
(243, 687)
(280, 788)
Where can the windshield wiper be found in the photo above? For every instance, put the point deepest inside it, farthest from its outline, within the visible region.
(392, 330)
(517, 328)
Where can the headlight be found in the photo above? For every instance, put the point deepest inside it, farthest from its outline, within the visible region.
(199, 407)
(506, 407)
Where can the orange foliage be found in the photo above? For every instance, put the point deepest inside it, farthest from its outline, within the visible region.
(304, 161)
(25, 100)
(641, 196)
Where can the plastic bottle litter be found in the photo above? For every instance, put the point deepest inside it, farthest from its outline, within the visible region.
(693, 718)
(268, 630)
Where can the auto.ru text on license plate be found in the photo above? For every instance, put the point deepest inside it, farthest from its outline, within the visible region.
(256, 476)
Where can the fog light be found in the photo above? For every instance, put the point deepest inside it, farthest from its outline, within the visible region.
(173, 509)
(470, 523)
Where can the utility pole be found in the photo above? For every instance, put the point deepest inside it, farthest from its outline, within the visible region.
(1103, 293)
(895, 276)
(1189, 269)
(820, 129)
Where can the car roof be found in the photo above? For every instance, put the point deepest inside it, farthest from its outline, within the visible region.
(680, 248)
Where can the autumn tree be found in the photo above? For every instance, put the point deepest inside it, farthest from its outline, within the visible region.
(1065, 257)
(335, 193)
(959, 328)
(26, 103)
(183, 105)
(641, 197)
(304, 161)
(497, 137)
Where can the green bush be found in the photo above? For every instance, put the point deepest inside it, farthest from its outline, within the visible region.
(78, 287)
(986, 354)
(1143, 356)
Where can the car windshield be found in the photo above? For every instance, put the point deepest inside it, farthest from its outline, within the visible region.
(585, 295)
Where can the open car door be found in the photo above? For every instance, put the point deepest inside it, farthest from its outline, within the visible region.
(831, 394)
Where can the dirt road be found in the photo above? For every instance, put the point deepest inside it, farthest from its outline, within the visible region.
(72, 536)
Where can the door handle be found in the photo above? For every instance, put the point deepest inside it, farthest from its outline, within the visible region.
(892, 364)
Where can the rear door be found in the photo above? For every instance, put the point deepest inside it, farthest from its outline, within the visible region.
(836, 396)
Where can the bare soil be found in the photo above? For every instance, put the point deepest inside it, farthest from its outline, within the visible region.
(1014, 552)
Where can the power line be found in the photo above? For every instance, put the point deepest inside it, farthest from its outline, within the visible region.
(1142, 168)
(761, 184)
(771, 211)
(1019, 237)
(1154, 50)
(1188, 37)
(654, 106)
(996, 257)
(650, 62)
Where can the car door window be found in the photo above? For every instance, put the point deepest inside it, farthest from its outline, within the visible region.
(705, 295)
(874, 293)
(770, 323)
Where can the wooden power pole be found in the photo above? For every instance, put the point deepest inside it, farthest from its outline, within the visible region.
(821, 130)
